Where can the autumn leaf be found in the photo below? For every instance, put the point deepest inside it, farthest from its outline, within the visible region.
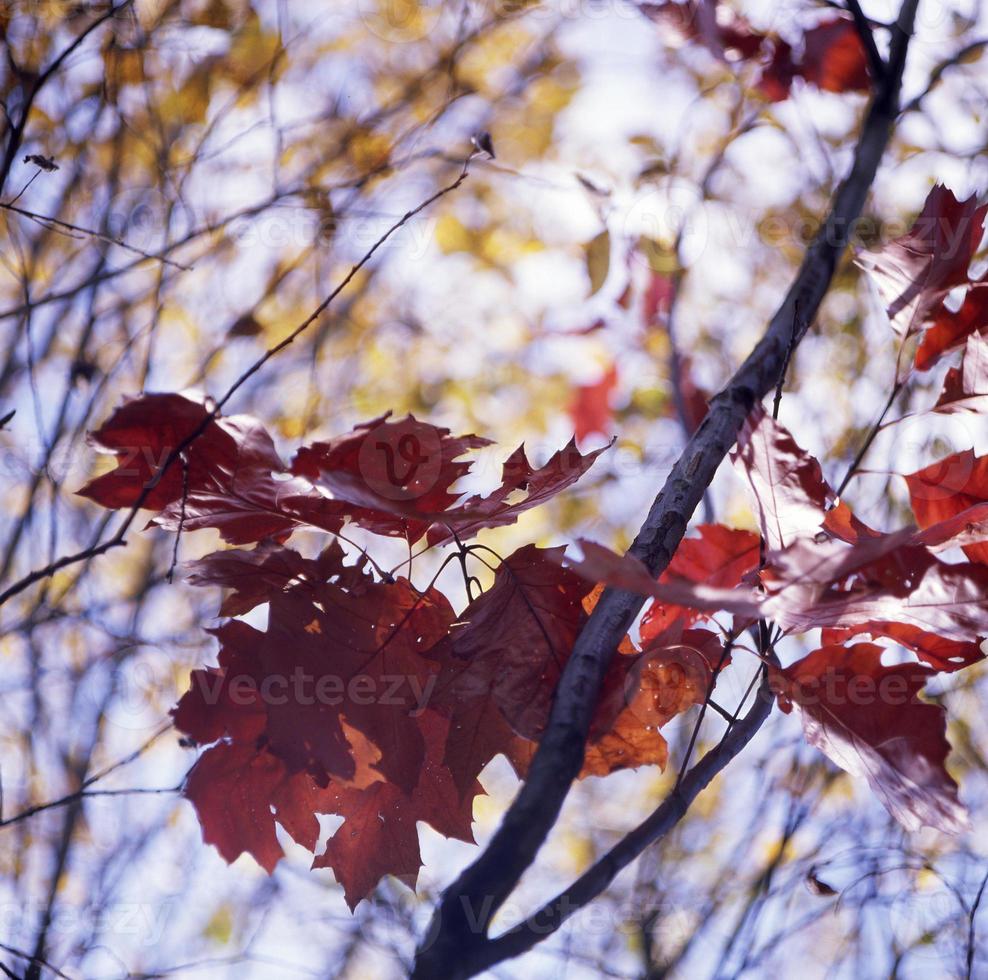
(868, 719)
(513, 641)
(231, 477)
(590, 409)
(941, 654)
(534, 486)
(395, 478)
(915, 272)
(831, 584)
(388, 468)
(834, 58)
(949, 489)
(787, 488)
(241, 792)
(231, 786)
(256, 576)
(948, 329)
(719, 557)
(379, 833)
(674, 674)
(965, 389)
(339, 647)
(626, 572)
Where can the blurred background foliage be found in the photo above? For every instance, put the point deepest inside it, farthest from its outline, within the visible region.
(220, 166)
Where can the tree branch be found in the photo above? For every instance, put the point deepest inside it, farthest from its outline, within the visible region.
(875, 61)
(465, 911)
(651, 830)
(16, 136)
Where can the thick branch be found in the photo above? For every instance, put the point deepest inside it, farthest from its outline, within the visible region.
(467, 906)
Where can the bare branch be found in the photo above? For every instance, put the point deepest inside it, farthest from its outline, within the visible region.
(593, 881)
(17, 132)
(937, 74)
(74, 231)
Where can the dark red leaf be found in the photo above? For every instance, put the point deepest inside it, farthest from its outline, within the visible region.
(339, 647)
(942, 655)
(965, 389)
(389, 469)
(256, 576)
(502, 507)
(868, 719)
(600, 564)
(231, 479)
(379, 835)
(241, 792)
(513, 641)
(720, 558)
(777, 77)
(834, 58)
(831, 584)
(231, 787)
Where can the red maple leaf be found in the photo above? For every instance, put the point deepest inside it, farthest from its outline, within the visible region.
(867, 719)
(788, 491)
(390, 468)
(513, 641)
(339, 648)
(834, 58)
(965, 389)
(241, 792)
(831, 584)
(379, 835)
(256, 576)
(230, 477)
(915, 272)
(948, 490)
(947, 330)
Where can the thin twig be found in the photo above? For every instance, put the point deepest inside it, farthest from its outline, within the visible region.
(972, 930)
(869, 439)
(73, 231)
(17, 131)
(955, 59)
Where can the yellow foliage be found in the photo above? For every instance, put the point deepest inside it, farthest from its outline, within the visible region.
(219, 928)
(252, 52)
